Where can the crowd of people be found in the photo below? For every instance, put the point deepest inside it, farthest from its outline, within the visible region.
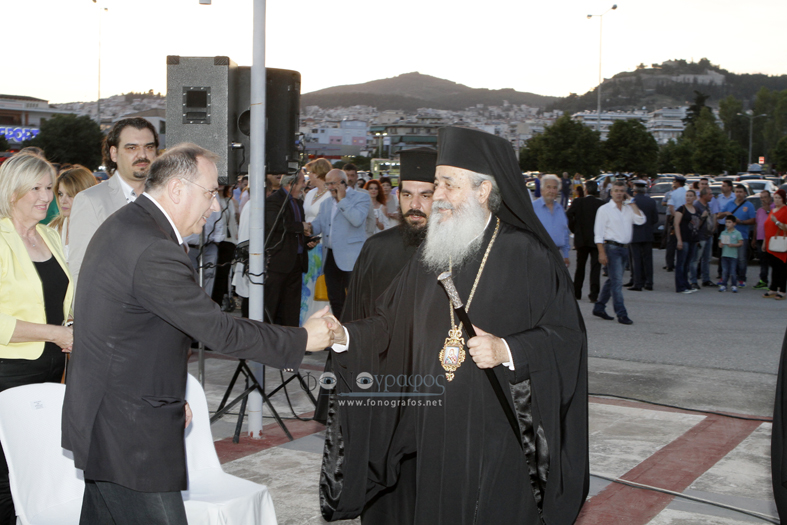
(153, 248)
(620, 238)
(134, 269)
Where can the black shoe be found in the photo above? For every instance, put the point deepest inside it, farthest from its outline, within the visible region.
(670, 269)
(708, 284)
(635, 288)
(695, 286)
(649, 288)
(625, 320)
(592, 299)
(630, 283)
(603, 315)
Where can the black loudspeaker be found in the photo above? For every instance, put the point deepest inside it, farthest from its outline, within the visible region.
(208, 101)
(282, 110)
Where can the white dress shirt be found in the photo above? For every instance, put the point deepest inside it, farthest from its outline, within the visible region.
(128, 191)
(177, 233)
(616, 224)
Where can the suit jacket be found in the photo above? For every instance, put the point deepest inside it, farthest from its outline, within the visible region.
(582, 218)
(91, 208)
(123, 414)
(283, 240)
(21, 292)
(644, 232)
(346, 232)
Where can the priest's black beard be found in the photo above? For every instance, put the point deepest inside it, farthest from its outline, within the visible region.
(413, 235)
(457, 238)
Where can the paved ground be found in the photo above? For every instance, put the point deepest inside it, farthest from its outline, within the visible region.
(707, 351)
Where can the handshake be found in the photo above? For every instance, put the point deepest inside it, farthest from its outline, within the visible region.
(323, 330)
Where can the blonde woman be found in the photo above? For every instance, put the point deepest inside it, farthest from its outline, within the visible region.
(70, 182)
(316, 169)
(36, 288)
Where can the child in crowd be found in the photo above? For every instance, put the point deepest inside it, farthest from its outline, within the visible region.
(729, 242)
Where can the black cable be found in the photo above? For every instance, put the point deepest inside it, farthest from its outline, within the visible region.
(634, 484)
(745, 418)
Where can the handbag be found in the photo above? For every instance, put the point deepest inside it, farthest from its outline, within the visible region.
(320, 289)
(778, 244)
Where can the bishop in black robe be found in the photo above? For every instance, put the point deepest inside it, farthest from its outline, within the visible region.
(470, 466)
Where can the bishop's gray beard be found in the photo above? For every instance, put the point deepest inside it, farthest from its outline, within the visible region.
(456, 239)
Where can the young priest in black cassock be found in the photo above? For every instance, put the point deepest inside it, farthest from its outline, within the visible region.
(470, 466)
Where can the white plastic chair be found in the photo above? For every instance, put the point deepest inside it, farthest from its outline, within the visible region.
(46, 487)
(215, 497)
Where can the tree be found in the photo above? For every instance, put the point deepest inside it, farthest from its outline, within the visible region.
(695, 109)
(711, 145)
(779, 156)
(568, 145)
(69, 139)
(4, 143)
(630, 148)
(528, 155)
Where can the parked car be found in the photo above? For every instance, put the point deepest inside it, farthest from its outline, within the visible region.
(758, 185)
(660, 188)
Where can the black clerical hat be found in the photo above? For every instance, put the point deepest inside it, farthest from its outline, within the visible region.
(488, 154)
(417, 164)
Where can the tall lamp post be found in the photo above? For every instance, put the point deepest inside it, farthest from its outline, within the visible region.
(600, 32)
(751, 116)
(98, 102)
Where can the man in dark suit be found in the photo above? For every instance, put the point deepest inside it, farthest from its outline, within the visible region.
(287, 251)
(581, 219)
(642, 239)
(124, 412)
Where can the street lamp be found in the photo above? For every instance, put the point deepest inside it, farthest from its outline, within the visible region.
(98, 109)
(600, 28)
(751, 116)
(380, 137)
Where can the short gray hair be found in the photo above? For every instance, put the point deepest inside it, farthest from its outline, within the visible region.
(551, 177)
(495, 199)
(705, 191)
(18, 175)
(289, 179)
(178, 162)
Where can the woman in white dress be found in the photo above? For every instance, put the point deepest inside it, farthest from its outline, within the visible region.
(377, 194)
(391, 203)
(316, 169)
(69, 182)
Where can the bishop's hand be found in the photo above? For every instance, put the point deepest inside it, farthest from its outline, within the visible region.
(339, 337)
(320, 330)
(487, 350)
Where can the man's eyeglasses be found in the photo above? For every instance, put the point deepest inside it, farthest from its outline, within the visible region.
(213, 194)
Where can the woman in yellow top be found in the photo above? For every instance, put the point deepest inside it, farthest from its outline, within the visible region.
(35, 288)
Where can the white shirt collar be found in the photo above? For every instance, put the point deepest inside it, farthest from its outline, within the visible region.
(128, 191)
(180, 239)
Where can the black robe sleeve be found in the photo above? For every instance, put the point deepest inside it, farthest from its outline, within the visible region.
(778, 436)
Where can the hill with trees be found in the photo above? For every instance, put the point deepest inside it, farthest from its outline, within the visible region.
(671, 83)
(411, 91)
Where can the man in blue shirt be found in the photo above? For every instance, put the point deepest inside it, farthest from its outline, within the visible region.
(552, 215)
(744, 211)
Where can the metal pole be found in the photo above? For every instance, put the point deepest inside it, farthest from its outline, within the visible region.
(257, 201)
(751, 130)
(98, 110)
(600, 32)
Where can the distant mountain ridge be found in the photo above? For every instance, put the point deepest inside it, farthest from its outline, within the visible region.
(410, 91)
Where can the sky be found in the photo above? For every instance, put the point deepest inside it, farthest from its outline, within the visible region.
(544, 47)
